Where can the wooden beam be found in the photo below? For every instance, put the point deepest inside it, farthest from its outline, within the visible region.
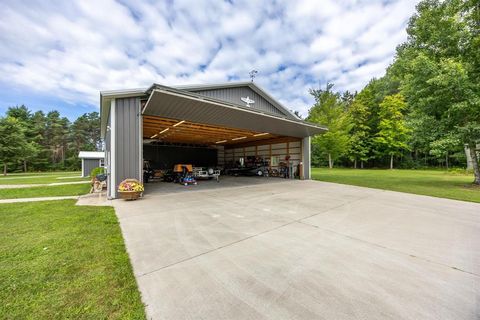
(263, 142)
(228, 135)
(169, 122)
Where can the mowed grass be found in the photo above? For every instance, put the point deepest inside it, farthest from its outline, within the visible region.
(41, 178)
(61, 261)
(425, 182)
(41, 173)
(46, 191)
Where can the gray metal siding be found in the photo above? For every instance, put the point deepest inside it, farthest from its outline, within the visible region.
(233, 95)
(89, 165)
(127, 144)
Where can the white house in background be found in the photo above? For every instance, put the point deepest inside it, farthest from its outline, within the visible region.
(91, 160)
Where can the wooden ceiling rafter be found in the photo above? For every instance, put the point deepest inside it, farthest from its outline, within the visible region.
(196, 133)
(150, 131)
(203, 139)
(251, 143)
(195, 126)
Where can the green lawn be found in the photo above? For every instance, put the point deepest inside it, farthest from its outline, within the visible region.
(426, 182)
(43, 173)
(35, 192)
(61, 261)
(40, 178)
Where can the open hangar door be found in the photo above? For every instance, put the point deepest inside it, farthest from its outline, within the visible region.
(215, 149)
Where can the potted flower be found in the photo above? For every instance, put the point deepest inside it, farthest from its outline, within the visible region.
(130, 189)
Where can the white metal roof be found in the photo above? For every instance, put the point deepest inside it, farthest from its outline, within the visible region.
(91, 154)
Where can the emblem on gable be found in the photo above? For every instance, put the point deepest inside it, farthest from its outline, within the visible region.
(248, 101)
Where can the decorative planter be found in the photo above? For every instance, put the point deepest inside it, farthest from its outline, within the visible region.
(130, 189)
(130, 195)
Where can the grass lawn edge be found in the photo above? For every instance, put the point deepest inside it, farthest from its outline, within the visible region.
(433, 183)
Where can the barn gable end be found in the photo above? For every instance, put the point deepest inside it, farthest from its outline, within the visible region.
(234, 94)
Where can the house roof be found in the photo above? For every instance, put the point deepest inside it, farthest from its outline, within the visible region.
(91, 154)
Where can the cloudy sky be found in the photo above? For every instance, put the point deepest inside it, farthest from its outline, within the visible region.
(59, 55)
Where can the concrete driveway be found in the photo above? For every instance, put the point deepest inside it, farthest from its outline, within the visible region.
(303, 250)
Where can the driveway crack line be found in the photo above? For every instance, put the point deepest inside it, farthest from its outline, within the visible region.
(388, 248)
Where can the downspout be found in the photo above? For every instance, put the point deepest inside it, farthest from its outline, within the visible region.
(113, 142)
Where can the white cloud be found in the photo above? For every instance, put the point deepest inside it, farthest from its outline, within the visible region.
(73, 49)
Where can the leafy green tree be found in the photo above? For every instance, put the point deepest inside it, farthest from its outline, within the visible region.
(329, 110)
(424, 130)
(347, 98)
(13, 144)
(439, 69)
(443, 148)
(393, 133)
(360, 138)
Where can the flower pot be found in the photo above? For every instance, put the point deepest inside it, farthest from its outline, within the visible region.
(130, 189)
(129, 195)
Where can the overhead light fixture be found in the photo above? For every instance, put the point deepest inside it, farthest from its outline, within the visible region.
(179, 123)
(260, 134)
(239, 138)
(154, 136)
(164, 130)
(221, 141)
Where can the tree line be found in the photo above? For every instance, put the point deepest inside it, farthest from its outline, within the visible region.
(35, 141)
(425, 111)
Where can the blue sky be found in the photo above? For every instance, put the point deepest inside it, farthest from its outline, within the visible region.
(59, 55)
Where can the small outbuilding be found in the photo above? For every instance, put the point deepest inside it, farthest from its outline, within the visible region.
(91, 160)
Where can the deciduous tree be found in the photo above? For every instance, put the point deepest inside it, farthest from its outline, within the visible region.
(329, 110)
(360, 139)
(392, 136)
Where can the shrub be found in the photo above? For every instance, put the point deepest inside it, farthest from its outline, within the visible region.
(96, 171)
